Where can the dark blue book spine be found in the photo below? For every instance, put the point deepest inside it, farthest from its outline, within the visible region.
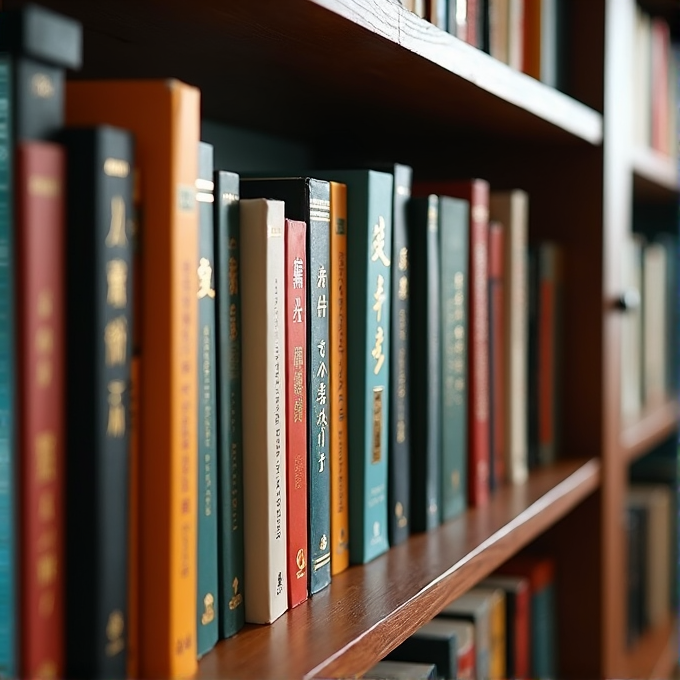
(207, 578)
(8, 585)
(229, 423)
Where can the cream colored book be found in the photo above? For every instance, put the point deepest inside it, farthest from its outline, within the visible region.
(264, 415)
(654, 321)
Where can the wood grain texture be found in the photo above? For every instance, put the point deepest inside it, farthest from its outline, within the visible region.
(368, 610)
(655, 654)
(651, 428)
(655, 176)
(347, 64)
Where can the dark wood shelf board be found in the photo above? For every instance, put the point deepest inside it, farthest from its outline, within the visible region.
(655, 176)
(320, 65)
(654, 425)
(655, 654)
(370, 609)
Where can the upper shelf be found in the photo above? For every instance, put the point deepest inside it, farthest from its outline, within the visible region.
(304, 68)
(368, 610)
(655, 176)
(653, 426)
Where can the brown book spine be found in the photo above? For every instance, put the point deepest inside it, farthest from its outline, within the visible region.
(40, 171)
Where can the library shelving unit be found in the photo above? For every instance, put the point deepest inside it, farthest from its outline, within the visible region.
(369, 77)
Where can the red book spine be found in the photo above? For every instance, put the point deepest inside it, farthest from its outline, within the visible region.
(522, 633)
(296, 410)
(496, 349)
(466, 664)
(476, 191)
(660, 81)
(40, 172)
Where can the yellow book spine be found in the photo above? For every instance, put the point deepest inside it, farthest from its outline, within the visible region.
(338, 380)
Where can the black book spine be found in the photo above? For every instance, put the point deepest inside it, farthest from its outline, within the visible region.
(425, 358)
(400, 427)
(229, 420)
(99, 347)
(533, 357)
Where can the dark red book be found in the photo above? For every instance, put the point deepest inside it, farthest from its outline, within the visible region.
(296, 410)
(476, 191)
(39, 193)
(496, 357)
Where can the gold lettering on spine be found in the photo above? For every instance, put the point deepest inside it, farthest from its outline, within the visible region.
(117, 235)
(376, 449)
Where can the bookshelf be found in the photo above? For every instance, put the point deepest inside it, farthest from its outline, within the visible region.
(368, 76)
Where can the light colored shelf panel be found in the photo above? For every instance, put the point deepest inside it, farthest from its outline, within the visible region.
(369, 609)
(655, 176)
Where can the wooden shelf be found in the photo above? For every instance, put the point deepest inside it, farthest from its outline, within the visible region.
(654, 425)
(655, 176)
(316, 66)
(655, 654)
(370, 609)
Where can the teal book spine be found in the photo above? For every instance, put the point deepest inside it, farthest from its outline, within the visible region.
(453, 258)
(8, 583)
(207, 575)
(543, 633)
(369, 250)
(231, 611)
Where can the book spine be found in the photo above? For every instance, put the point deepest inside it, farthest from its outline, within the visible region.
(8, 461)
(425, 361)
(99, 281)
(400, 430)
(533, 357)
(453, 264)
(39, 99)
(229, 423)
(264, 432)
(133, 518)
(497, 434)
(522, 640)
(296, 409)
(40, 174)
(543, 633)
(337, 380)
(207, 610)
(319, 436)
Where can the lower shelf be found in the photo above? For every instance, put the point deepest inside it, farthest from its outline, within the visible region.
(369, 609)
(655, 654)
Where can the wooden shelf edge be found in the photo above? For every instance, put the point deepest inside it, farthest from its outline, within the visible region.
(655, 176)
(368, 610)
(655, 654)
(653, 426)
(421, 37)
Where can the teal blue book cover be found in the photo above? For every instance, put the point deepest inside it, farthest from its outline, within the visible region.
(207, 579)
(544, 633)
(453, 257)
(369, 254)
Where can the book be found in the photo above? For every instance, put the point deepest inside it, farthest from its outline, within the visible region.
(636, 580)
(99, 284)
(369, 249)
(654, 350)
(497, 342)
(207, 610)
(40, 175)
(401, 670)
(498, 632)
(476, 192)
(434, 642)
(295, 328)
(454, 292)
(425, 359)
(167, 137)
(337, 379)
(511, 209)
(264, 414)
(308, 199)
(517, 603)
(28, 54)
(229, 423)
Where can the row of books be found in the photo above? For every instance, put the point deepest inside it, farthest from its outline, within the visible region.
(525, 34)
(656, 85)
(505, 627)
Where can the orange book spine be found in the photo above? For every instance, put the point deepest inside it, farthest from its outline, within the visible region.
(338, 380)
(164, 116)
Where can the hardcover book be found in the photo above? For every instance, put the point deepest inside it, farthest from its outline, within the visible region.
(425, 362)
(476, 192)
(264, 409)
(337, 380)
(207, 611)
(99, 284)
(296, 408)
(229, 423)
(369, 248)
(308, 200)
(167, 136)
(40, 268)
